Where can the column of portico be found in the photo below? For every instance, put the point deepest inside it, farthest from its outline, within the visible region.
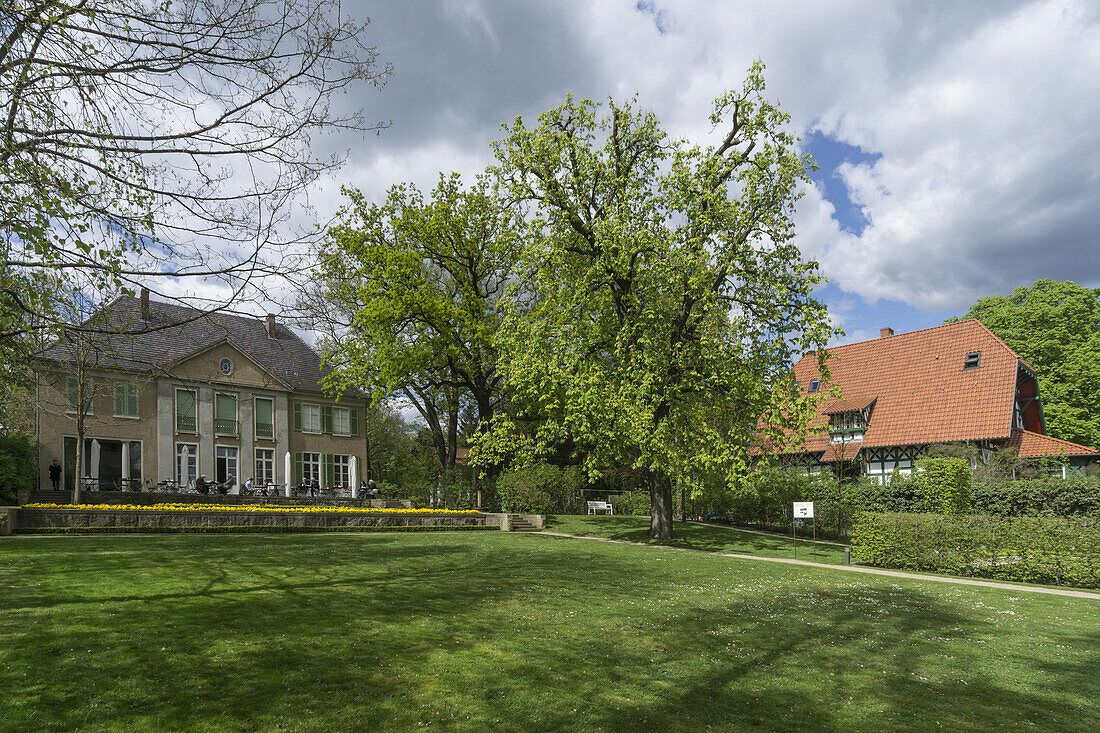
(166, 433)
(206, 432)
(246, 461)
(282, 437)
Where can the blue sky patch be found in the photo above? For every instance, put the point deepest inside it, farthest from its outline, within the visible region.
(829, 153)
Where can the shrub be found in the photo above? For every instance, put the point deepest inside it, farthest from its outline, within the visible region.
(561, 487)
(944, 484)
(1077, 496)
(636, 503)
(527, 490)
(1057, 550)
(17, 466)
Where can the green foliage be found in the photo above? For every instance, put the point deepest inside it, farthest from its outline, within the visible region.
(632, 503)
(421, 283)
(944, 484)
(1077, 496)
(17, 466)
(558, 488)
(1029, 549)
(1055, 326)
(667, 298)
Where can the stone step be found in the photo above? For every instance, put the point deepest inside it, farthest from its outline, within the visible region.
(519, 524)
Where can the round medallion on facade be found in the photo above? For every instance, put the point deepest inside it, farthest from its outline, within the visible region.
(226, 366)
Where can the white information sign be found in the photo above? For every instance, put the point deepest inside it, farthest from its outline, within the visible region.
(803, 510)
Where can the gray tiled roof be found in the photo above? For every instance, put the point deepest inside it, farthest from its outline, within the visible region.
(180, 331)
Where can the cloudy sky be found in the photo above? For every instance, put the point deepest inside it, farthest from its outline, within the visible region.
(959, 142)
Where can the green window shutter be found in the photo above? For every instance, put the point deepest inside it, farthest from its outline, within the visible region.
(298, 470)
(353, 420)
(120, 399)
(326, 419)
(298, 416)
(328, 469)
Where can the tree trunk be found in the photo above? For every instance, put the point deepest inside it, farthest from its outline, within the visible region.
(660, 512)
(79, 468)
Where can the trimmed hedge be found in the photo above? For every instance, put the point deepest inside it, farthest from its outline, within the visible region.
(1077, 496)
(252, 529)
(1050, 550)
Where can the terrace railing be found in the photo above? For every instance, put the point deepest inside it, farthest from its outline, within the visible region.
(225, 427)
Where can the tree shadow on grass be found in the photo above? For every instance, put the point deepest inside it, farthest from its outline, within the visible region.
(696, 537)
(511, 633)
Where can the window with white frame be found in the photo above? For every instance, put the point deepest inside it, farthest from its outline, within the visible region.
(72, 395)
(311, 467)
(265, 466)
(341, 471)
(311, 418)
(341, 421)
(126, 400)
(265, 417)
(187, 463)
(186, 411)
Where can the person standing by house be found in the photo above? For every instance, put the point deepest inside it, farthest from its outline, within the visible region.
(314, 487)
(55, 475)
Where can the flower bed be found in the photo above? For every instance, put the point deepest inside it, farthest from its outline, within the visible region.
(159, 517)
(248, 508)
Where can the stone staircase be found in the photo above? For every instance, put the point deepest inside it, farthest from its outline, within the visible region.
(519, 524)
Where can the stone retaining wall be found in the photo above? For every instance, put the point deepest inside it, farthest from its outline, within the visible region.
(143, 498)
(31, 519)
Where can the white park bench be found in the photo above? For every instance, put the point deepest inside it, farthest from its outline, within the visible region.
(595, 507)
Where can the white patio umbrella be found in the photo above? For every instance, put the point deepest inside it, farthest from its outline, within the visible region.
(353, 476)
(94, 465)
(126, 463)
(185, 459)
(286, 472)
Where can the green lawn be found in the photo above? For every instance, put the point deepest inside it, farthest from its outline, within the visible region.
(697, 537)
(507, 631)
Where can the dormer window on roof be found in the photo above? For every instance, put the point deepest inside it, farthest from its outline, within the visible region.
(847, 421)
(973, 360)
(815, 385)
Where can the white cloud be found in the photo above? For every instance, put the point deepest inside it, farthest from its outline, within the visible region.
(983, 114)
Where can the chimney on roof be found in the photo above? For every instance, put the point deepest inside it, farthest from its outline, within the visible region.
(885, 332)
(271, 325)
(145, 304)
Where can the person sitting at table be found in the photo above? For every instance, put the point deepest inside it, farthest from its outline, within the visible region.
(372, 488)
(200, 484)
(314, 487)
(248, 485)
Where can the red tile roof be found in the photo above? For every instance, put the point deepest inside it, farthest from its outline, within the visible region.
(850, 404)
(841, 452)
(923, 393)
(1034, 445)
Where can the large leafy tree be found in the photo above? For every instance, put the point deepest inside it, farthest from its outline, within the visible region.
(1055, 326)
(409, 294)
(667, 298)
(149, 141)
